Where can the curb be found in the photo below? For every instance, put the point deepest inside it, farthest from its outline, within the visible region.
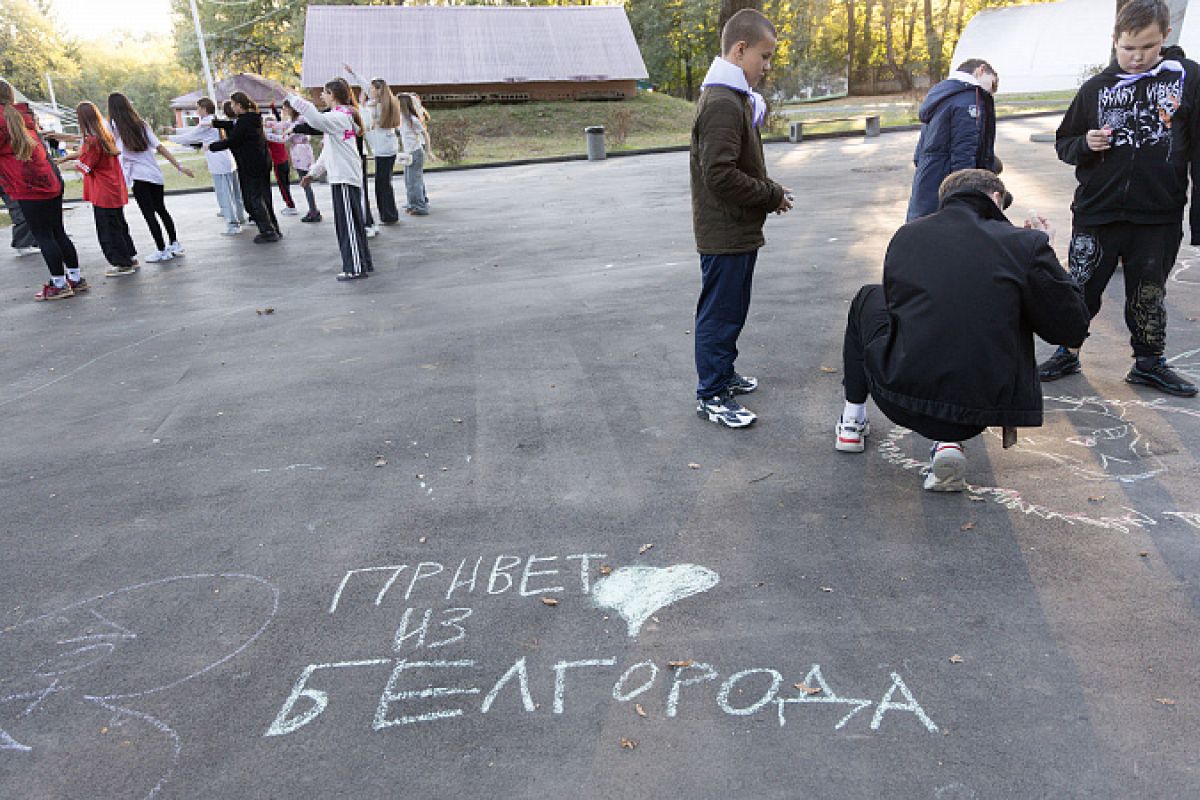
(650, 151)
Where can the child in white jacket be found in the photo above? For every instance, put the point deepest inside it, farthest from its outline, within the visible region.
(220, 166)
(339, 159)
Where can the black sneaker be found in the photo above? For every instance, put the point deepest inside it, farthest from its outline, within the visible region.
(742, 384)
(1059, 365)
(1161, 377)
(266, 237)
(724, 410)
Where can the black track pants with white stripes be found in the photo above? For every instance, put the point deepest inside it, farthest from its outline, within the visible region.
(351, 233)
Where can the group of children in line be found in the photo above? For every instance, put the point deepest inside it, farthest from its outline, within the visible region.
(117, 157)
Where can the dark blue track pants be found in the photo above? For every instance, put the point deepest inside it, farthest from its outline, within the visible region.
(720, 317)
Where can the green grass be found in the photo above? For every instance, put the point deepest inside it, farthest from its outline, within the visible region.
(500, 133)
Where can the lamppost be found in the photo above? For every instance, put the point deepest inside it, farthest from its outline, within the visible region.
(212, 92)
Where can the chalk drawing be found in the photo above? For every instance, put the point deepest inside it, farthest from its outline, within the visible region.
(816, 680)
(637, 592)
(102, 662)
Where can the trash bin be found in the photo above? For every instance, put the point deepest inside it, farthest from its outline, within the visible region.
(595, 142)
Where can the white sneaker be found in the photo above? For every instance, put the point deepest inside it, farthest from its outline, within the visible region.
(161, 255)
(946, 468)
(372, 231)
(232, 230)
(289, 211)
(28, 251)
(851, 435)
(176, 249)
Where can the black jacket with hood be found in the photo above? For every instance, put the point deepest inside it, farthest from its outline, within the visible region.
(958, 131)
(1143, 177)
(966, 291)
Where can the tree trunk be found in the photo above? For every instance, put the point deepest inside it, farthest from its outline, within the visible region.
(889, 43)
(731, 7)
(933, 44)
(867, 48)
(851, 36)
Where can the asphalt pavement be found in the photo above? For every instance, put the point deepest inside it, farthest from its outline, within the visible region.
(456, 531)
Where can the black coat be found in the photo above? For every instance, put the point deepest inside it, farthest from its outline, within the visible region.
(966, 290)
(1155, 123)
(246, 140)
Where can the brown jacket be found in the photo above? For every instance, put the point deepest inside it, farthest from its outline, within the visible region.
(731, 193)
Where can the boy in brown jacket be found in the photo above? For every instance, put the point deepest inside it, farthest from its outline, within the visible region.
(731, 197)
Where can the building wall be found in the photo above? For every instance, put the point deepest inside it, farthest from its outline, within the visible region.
(518, 92)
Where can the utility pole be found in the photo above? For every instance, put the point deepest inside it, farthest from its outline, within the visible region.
(212, 92)
(50, 85)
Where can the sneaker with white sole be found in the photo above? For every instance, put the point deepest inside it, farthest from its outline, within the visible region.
(372, 231)
(947, 467)
(51, 292)
(851, 435)
(742, 384)
(232, 230)
(161, 255)
(288, 211)
(117, 270)
(28, 251)
(176, 249)
(724, 410)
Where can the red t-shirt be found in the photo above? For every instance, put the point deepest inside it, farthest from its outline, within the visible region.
(279, 153)
(103, 178)
(34, 179)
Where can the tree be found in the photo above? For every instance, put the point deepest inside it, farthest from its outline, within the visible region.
(731, 7)
(30, 47)
(261, 36)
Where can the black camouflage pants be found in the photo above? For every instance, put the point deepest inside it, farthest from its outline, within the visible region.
(1147, 253)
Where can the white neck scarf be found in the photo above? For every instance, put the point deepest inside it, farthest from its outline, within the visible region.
(724, 73)
(1130, 78)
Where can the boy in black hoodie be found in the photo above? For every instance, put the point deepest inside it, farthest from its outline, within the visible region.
(1131, 133)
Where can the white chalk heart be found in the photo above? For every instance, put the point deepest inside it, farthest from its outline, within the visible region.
(637, 592)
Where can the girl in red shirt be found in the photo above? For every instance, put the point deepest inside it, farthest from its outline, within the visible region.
(104, 187)
(30, 179)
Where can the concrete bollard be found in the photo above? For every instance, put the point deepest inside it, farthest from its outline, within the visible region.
(595, 142)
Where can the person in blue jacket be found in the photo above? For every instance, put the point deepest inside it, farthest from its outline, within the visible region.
(958, 131)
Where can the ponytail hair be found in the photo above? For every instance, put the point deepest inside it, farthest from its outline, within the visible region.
(243, 100)
(92, 126)
(342, 94)
(128, 123)
(23, 144)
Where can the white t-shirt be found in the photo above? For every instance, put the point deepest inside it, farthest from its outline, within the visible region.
(140, 166)
(412, 133)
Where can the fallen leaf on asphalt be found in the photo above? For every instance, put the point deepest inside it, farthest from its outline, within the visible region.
(644, 548)
(605, 569)
(550, 601)
(956, 659)
(422, 540)
(1097, 499)
(627, 744)
(826, 588)
(380, 461)
(975, 498)
(104, 730)
(693, 465)
(420, 477)
(808, 689)
(641, 712)
(1144, 553)
(966, 526)
(680, 664)
(261, 311)
(1166, 701)
(455, 419)
(828, 369)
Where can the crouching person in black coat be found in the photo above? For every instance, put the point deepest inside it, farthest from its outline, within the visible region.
(945, 345)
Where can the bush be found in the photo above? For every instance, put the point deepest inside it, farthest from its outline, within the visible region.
(619, 123)
(450, 137)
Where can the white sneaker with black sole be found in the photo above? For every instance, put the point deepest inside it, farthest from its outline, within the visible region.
(724, 410)
(946, 469)
(851, 435)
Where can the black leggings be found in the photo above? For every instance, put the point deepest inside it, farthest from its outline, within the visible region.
(283, 178)
(149, 197)
(45, 218)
